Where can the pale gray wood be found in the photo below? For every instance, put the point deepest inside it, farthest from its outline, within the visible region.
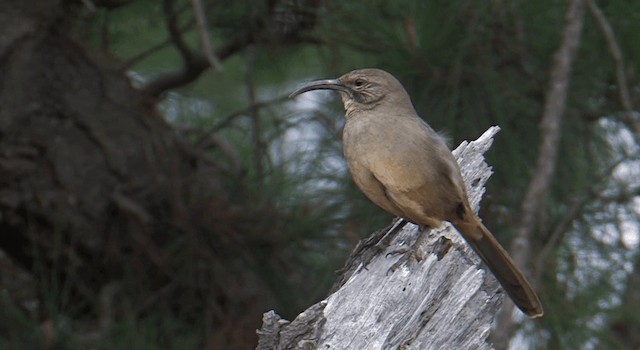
(444, 301)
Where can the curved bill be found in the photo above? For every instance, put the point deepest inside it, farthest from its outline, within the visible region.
(329, 84)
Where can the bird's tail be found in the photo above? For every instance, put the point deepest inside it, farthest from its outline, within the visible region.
(503, 267)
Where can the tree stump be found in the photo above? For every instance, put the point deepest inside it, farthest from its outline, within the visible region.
(444, 301)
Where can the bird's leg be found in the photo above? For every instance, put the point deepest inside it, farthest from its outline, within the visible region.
(365, 250)
(413, 252)
(385, 240)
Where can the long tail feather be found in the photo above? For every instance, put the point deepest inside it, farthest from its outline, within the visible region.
(503, 267)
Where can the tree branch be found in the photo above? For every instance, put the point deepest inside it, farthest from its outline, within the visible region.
(224, 122)
(195, 64)
(187, 74)
(254, 113)
(574, 212)
(550, 127)
(144, 54)
(618, 58)
(171, 17)
(204, 36)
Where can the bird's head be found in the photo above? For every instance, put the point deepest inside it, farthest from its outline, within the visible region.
(362, 90)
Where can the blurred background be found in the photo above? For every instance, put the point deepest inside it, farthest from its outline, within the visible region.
(158, 190)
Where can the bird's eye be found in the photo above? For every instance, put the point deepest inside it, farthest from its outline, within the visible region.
(359, 83)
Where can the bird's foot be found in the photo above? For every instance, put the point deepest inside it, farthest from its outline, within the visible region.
(412, 253)
(385, 240)
(409, 255)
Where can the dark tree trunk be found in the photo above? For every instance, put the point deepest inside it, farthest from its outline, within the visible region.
(90, 175)
(101, 198)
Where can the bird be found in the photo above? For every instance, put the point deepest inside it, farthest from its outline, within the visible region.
(405, 167)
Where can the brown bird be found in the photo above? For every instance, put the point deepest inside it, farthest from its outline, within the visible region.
(406, 168)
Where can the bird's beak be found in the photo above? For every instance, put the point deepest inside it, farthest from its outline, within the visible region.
(329, 84)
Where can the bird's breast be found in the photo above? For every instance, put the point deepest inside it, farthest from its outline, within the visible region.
(396, 155)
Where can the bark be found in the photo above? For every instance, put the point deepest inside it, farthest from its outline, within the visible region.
(550, 130)
(444, 301)
(89, 169)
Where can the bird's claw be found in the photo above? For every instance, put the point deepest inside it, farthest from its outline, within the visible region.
(409, 254)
